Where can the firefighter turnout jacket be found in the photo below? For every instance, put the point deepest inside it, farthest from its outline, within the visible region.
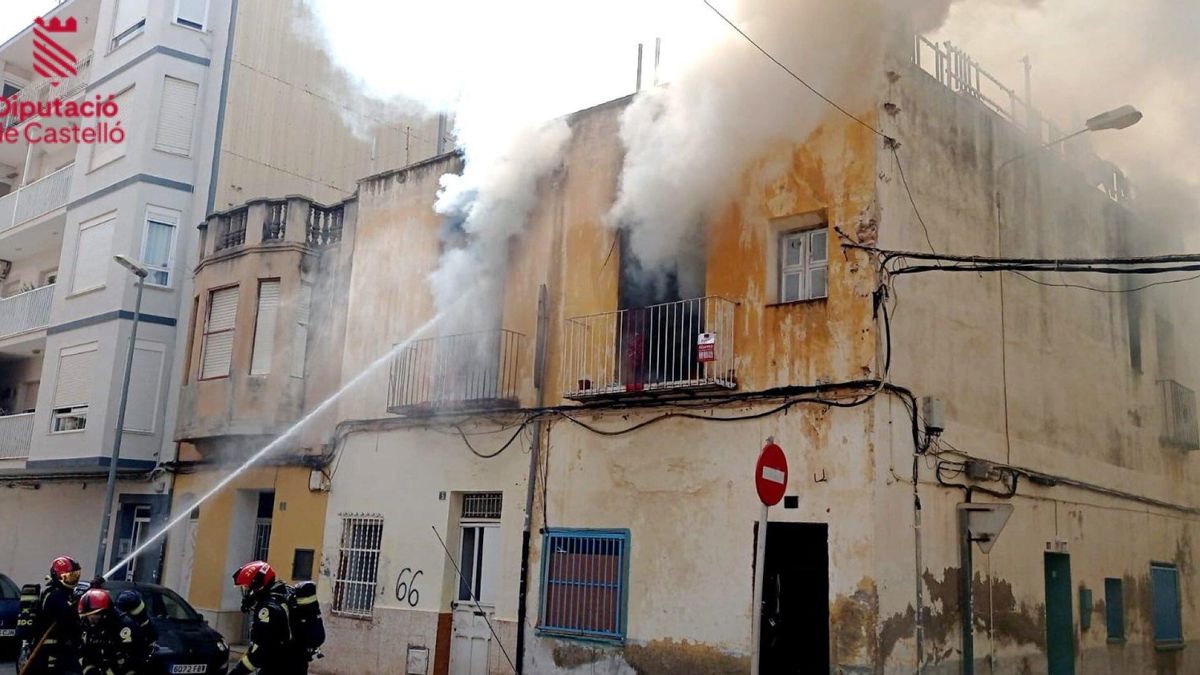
(272, 651)
(57, 630)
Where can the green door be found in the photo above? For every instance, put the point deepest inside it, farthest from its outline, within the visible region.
(1060, 628)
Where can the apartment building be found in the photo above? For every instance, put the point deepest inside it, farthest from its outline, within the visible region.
(221, 102)
(572, 489)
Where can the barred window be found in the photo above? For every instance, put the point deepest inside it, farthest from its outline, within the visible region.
(354, 583)
(584, 583)
(485, 505)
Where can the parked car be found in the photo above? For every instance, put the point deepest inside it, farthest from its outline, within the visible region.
(186, 643)
(10, 605)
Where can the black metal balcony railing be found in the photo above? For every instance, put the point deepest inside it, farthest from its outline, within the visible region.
(232, 230)
(275, 224)
(1179, 416)
(324, 225)
(471, 370)
(671, 347)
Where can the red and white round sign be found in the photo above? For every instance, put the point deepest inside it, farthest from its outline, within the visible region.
(770, 474)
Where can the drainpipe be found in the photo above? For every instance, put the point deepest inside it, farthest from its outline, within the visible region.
(539, 374)
(964, 593)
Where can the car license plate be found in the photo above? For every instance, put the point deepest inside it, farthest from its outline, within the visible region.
(190, 668)
(8, 632)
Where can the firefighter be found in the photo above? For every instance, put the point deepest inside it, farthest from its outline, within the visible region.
(271, 650)
(142, 632)
(99, 633)
(56, 628)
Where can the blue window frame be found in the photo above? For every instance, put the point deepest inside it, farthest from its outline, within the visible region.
(1168, 626)
(1114, 609)
(585, 577)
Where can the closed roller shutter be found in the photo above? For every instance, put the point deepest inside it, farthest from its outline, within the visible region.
(76, 372)
(264, 327)
(218, 333)
(177, 116)
(145, 380)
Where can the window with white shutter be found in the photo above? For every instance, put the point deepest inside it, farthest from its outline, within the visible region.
(103, 153)
(129, 21)
(158, 245)
(264, 327)
(177, 116)
(92, 255)
(300, 331)
(73, 388)
(145, 382)
(191, 13)
(217, 350)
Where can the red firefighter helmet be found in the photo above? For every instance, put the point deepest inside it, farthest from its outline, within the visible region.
(254, 576)
(63, 566)
(94, 601)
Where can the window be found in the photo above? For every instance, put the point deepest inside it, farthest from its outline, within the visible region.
(217, 349)
(264, 327)
(72, 391)
(584, 575)
(302, 564)
(144, 386)
(129, 21)
(10, 90)
(158, 246)
(300, 331)
(479, 555)
(802, 265)
(1114, 610)
(176, 116)
(358, 565)
(1168, 627)
(92, 255)
(191, 13)
(104, 153)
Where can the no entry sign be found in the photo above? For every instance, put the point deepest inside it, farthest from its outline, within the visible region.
(770, 474)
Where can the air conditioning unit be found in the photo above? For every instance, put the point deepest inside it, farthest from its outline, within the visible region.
(1179, 416)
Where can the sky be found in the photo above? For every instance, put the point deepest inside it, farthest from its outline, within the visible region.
(18, 14)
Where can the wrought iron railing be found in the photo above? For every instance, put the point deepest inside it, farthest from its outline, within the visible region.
(1179, 415)
(26, 311)
(324, 225)
(684, 345)
(462, 371)
(16, 435)
(275, 224)
(232, 230)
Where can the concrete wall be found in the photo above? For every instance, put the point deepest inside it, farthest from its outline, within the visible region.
(280, 71)
(1037, 377)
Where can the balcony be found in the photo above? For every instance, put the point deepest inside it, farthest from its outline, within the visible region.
(674, 348)
(26, 311)
(41, 91)
(458, 372)
(16, 433)
(294, 220)
(1179, 416)
(36, 199)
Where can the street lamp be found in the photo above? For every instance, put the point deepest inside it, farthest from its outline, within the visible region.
(1115, 119)
(102, 547)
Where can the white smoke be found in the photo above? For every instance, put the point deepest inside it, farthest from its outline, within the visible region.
(690, 143)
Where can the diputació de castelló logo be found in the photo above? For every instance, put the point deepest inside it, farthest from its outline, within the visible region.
(53, 120)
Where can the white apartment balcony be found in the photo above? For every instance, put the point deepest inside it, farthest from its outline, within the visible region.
(31, 202)
(16, 434)
(674, 348)
(25, 315)
(42, 90)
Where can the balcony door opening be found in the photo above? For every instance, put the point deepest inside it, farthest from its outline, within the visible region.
(662, 314)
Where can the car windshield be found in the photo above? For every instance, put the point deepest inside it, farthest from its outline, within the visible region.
(166, 604)
(8, 590)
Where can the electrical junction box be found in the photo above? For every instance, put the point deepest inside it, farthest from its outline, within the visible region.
(933, 412)
(417, 662)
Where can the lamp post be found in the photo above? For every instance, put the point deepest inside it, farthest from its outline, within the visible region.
(102, 547)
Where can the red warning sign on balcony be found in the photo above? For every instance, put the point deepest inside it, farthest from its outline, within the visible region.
(706, 347)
